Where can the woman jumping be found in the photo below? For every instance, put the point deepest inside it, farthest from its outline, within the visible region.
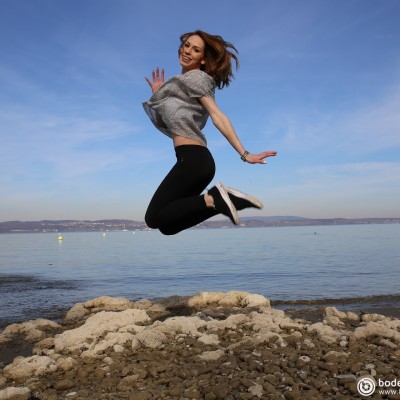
(180, 107)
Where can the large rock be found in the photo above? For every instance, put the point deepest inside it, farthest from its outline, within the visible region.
(104, 303)
(33, 330)
(372, 317)
(76, 313)
(96, 327)
(326, 333)
(229, 323)
(15, 393)
(203, 299)
(107, 303)
(229, 299)
(255, 300)
(333, 317)
(116, 340)
(151, 338)
(232, 299)
(176, 325)
(271, 320)
(384, 329)
(333, 311)
(209, 339)
(35, 366)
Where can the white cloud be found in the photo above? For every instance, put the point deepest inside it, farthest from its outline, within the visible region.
(342, 190)
(360, 131)
(375, 127)
(351, 177)
(69, 146)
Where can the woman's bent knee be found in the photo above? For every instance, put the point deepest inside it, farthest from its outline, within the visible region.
(168, 231)
(150, 221)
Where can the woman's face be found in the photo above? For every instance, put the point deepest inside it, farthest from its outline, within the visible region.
(191, 55)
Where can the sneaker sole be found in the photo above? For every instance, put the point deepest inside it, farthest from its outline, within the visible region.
(225, 196)
(245, 196)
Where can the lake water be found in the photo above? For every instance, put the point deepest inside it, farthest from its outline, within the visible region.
(39, 276)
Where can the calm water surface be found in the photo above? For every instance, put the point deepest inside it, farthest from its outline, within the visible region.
(39, 275)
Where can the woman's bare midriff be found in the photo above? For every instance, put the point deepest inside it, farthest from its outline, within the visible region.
(180, 140)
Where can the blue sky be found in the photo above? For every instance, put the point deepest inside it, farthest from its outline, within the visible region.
(319, 82)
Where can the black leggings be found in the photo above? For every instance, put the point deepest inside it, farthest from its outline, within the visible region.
(177, 205)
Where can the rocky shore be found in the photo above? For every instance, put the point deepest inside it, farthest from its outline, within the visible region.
(210, 346)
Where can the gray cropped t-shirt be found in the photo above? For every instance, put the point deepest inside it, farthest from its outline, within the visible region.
(175, 107)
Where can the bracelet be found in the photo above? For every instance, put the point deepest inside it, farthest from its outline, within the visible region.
(243, 156)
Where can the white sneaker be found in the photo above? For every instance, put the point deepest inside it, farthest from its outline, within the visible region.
(223, 202)
(242, 200)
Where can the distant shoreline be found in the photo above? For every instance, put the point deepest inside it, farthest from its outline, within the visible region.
(132, 225)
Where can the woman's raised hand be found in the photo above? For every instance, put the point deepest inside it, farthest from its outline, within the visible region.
(158, 79)
(259, 158)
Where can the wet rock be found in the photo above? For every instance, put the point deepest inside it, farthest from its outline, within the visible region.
(229, 299)
(66, 364)
(352, 316)
(334, 321)
(335, 356)
(157, 309)
(256, 390)
(128, 382)
(15, 393)
(204, 299)
(143, 304)
(346, 378)
(107, 303)
(333, 311)
(325, 332)
(372, 317)
(212, 355)
(23, 368)
(302, 361)
(91, 333)
(151, 338)
(210, 339)
(33, 331)
(382, 329)
(229, 323)
(64, 384)
(255, 300)
(76, 313)
(176, 325)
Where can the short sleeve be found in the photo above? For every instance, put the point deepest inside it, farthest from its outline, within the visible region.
(198, 84)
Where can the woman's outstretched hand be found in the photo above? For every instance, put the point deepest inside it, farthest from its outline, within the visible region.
(158, 79)
(259, 158)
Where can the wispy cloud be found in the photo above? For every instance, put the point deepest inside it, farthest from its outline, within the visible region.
(69, 146)
(359, 131)
(348, 177)
(340, 190)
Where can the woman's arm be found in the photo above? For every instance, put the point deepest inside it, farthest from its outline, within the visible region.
(223, 124)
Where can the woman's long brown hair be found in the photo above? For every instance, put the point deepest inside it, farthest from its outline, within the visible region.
(217, 55)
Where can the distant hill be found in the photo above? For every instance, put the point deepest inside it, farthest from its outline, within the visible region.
(131, 225)
(274, 218)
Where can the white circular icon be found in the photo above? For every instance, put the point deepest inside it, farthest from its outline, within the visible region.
(366, 385)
